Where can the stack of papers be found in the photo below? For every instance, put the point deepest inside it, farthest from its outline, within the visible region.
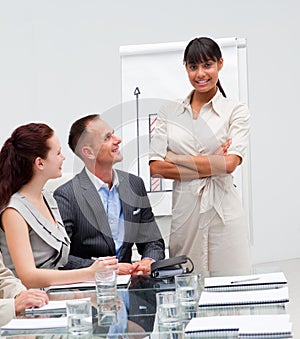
(122, 280)
(255, 281)
(35, 323)
(54, 306)
(243, 326)
(252, 297)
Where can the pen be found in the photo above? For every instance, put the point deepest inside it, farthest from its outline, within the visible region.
(98, 258)
(243, 280)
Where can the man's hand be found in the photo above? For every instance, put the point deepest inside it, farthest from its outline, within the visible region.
(124, 268)
(141, 267)
(30, 298)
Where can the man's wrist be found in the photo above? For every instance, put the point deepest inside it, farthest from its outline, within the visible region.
(148, 259)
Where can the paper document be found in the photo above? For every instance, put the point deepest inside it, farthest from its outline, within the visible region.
(266, 280)
(35, 323)
(275, 295)
(122, 280)
(274, 325)
(52, 307)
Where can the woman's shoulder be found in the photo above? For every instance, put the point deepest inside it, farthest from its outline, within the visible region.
(17, 205)
(229, 106)
(17, 200)
(170, 108)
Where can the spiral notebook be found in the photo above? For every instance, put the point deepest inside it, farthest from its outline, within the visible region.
(252, 297)
(240, 326)
(244, 282)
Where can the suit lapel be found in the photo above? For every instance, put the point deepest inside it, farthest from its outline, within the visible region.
(91, 198)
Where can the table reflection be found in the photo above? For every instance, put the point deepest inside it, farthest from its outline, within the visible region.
(135, 315)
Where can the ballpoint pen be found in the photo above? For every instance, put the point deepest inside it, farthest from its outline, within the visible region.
(243, 280)
(103, 258)
(98, 258)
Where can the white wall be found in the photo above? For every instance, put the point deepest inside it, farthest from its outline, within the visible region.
(60, 60)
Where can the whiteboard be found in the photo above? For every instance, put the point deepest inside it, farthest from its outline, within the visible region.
(153, 73)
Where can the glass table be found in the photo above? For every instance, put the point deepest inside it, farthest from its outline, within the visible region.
(136, 316)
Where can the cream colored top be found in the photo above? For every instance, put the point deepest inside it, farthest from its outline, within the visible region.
(219, 119)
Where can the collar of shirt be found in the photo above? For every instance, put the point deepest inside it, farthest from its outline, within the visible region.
(98, 183)
(215, 102)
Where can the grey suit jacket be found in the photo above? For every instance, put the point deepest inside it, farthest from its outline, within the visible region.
(86, 221)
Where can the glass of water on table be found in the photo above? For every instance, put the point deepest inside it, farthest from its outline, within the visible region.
(79, 316)
(168, 311)
(188, 295)
(106, 291)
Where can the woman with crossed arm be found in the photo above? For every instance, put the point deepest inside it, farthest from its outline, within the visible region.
(199, 142)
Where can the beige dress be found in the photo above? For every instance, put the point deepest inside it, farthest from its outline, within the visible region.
(208, 221)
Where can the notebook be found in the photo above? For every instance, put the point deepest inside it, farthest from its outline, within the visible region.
(252, 297)
(122, 281)
(242, 282)
(241, 326)
(54, 306)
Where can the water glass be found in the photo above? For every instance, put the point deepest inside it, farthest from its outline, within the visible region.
(187, 287)
(187, 291)
(107, 301)
(79, 315)
(108, 313)
(168, 312)
(106, 286)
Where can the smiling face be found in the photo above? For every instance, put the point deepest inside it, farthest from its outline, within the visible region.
(54, 160)
(204, 76)
(101, 143)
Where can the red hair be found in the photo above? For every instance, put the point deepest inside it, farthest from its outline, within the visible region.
(17, 156)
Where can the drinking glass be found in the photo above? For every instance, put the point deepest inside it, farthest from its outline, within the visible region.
(106, 286)
(187, 291)
(107, 301)
(168, 312)
(79, 315)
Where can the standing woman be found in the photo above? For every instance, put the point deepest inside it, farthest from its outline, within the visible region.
(33, 239)
(199, 142)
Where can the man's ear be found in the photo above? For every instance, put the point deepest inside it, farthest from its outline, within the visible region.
(87, 152)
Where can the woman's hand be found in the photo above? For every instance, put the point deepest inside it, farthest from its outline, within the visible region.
(171, 157)
(105, 264)
(222, 150)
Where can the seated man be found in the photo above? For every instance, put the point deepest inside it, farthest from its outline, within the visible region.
(14, 298)
(106, 211)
